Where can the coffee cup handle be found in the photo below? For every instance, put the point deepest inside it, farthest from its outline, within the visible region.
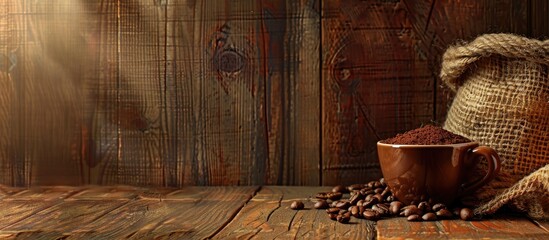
(494, 164)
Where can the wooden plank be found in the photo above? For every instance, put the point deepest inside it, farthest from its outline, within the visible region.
(239, 64)
(500, 227)
(136, 107)
(373, 85)
(19, 204)
(192, 212)
(10, 38)
(290, 49)
(539, 19)
(50, 92)
(268, 216)
(438, 24)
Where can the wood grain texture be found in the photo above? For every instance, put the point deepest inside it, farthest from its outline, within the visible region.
(10, 39)
(268, 216)
(240, 64)
(199, 92)
(502, 227)
(438, 24)
(116, 212)
(187, 213)
(538, 19)
(373, 86)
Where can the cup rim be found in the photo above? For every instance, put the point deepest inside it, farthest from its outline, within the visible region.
(379, 143)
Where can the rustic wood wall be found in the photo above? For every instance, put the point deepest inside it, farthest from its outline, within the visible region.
(234, 92)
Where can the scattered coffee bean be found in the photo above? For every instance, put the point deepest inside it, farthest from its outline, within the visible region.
(329, 195)
(332, 210)
(386, 192)
(412, 210)
(413, 217)
(375, 200)
(381, 209)
(340, 189)
(355, 187)
(378, 196)
(424, 207)
(444, 213)
(429, 217)
(344, 218)
(395, 207)
(370, 203)
(343, 205)
(297, 205)
(370, 214)
(382, 181)
(321, 204)
(466, 214)
(438, 206)
(355, 211)
(355, 198)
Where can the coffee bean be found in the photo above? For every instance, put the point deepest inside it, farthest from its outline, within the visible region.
(297, 205)
(329, 195)
(378, 190)
(390, 198)
(344, 218)
(369, 197)
(381, 209)
(444, 213)
(360, 202)
(371, 184)
(377, 184)
(370, 214)
(355, 187)
(378, 196)
(413, 217)
(382, 181)
(355, 198)
(367, 192)
(466, 214)
(321, 204)
(370, 203)
(340, 188)
(386, 192)
(355, 211)
(413, 210)
(429, 217)
(361, 209)
(343, 211)
(333, 216)
(332, 210)
(438, 206)
(395, 207)
(343, 205)
(424, 207)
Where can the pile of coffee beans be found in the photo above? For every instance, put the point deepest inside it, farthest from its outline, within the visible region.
(374, 201)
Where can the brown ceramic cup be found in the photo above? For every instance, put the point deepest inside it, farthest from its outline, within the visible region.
(417, 172)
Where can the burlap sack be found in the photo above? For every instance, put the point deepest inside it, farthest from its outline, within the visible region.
(502, 100)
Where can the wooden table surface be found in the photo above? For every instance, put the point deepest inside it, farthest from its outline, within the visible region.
(217, 213)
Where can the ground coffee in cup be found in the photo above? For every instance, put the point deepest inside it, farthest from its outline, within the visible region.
(426, 135)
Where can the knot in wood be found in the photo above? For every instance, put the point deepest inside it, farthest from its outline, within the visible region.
(229, 61)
